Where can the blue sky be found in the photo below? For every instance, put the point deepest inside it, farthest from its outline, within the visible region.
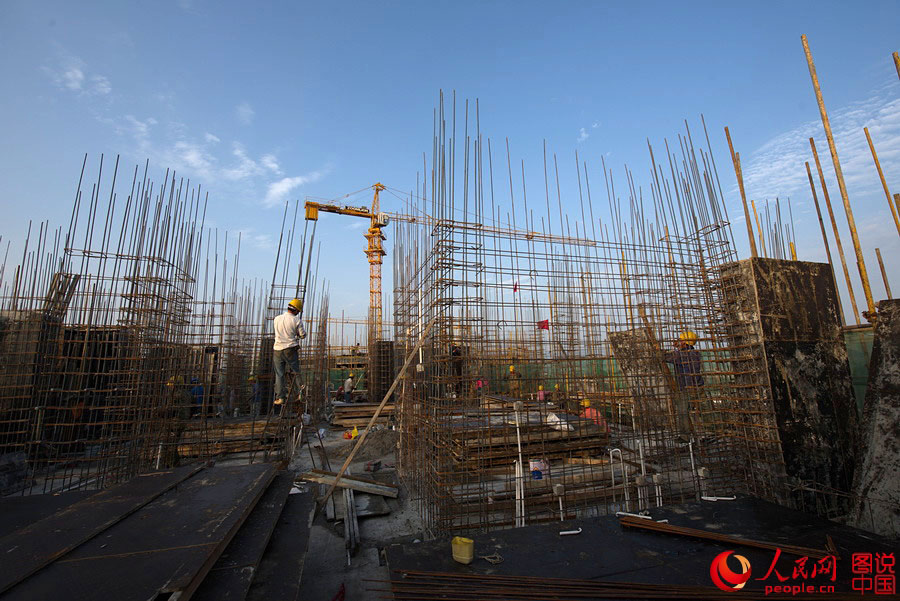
(266, 102)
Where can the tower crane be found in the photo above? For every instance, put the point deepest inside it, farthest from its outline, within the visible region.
(374, 250)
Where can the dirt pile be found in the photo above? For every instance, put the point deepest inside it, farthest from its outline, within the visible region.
(378, 444)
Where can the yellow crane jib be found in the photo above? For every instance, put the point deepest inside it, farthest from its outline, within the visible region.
(374, 250)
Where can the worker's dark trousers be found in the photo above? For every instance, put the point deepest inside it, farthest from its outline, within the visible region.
(283, 359)
(684, 399)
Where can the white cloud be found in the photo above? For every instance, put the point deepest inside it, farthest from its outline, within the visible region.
(270, 162)
(72, 74)
(583, 135)
(277, 191)
(244, 113)
(100, 85)
(776, 168)
(199, 156)
(72, 78)
(245, 166)
(195, 157)
(257, 240)
(141, 128)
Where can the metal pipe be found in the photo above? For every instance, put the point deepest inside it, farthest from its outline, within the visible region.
(837, 236)
(812, 188)
(520, 479)
(762, 241)
(860, 260)
(887, 286)
(884, 185)
(693, 465)
(740, 179)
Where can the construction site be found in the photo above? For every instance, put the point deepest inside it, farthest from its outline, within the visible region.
(539, 404)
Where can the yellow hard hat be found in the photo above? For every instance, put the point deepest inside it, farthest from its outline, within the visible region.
(556, 386)
(585, 403)
(252, 378)
(688, 337)
(351, 375)
(540, 387)
(296, 304)
(175, 380)
(512, 368)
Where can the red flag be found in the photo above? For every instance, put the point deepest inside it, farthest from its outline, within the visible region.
(516, 287)
(544, 325)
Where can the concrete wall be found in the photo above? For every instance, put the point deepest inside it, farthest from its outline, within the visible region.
(878, 478)
(808, 369)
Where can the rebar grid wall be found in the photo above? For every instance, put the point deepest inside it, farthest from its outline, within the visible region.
(553, 358)
(105, 324)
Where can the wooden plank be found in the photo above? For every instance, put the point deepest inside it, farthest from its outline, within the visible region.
(354, 482)
(349, 423)
(361, 410)
(231, 576)
(281, 568)
(351, 483)
(164, 550)
(29, 549)
(364, 479)
(339, 406)
(351, 526)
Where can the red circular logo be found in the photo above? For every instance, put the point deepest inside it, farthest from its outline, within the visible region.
(723, 577)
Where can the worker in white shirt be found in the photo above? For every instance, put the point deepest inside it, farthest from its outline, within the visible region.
(288, 334)
(349, 385)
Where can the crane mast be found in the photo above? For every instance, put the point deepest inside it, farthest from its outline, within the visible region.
(375, 253)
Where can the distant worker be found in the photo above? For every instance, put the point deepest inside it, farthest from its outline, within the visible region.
(514, 381)
(456, 368)
(289, 332)
(255, 395)
(541, 395)
(349, 385)
(197, 396)
(594, 415)
(688, 377)
(175, 412)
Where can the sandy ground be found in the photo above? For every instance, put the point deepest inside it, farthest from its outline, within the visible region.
(326, 566)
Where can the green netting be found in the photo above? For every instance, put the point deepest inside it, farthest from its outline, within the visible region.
(859, 351)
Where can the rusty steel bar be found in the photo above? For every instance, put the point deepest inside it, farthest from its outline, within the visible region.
(812, 188)
(837, 236)
(887, 286)
(762, 240)
(666, 528)
(860, 260)
(884, 185)
(740, 179)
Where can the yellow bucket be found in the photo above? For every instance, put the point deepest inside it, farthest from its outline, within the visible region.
(463, 549)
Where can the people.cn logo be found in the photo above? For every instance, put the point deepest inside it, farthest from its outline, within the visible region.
(723, 577)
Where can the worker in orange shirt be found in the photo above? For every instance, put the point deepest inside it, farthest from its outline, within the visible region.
(594, 415)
